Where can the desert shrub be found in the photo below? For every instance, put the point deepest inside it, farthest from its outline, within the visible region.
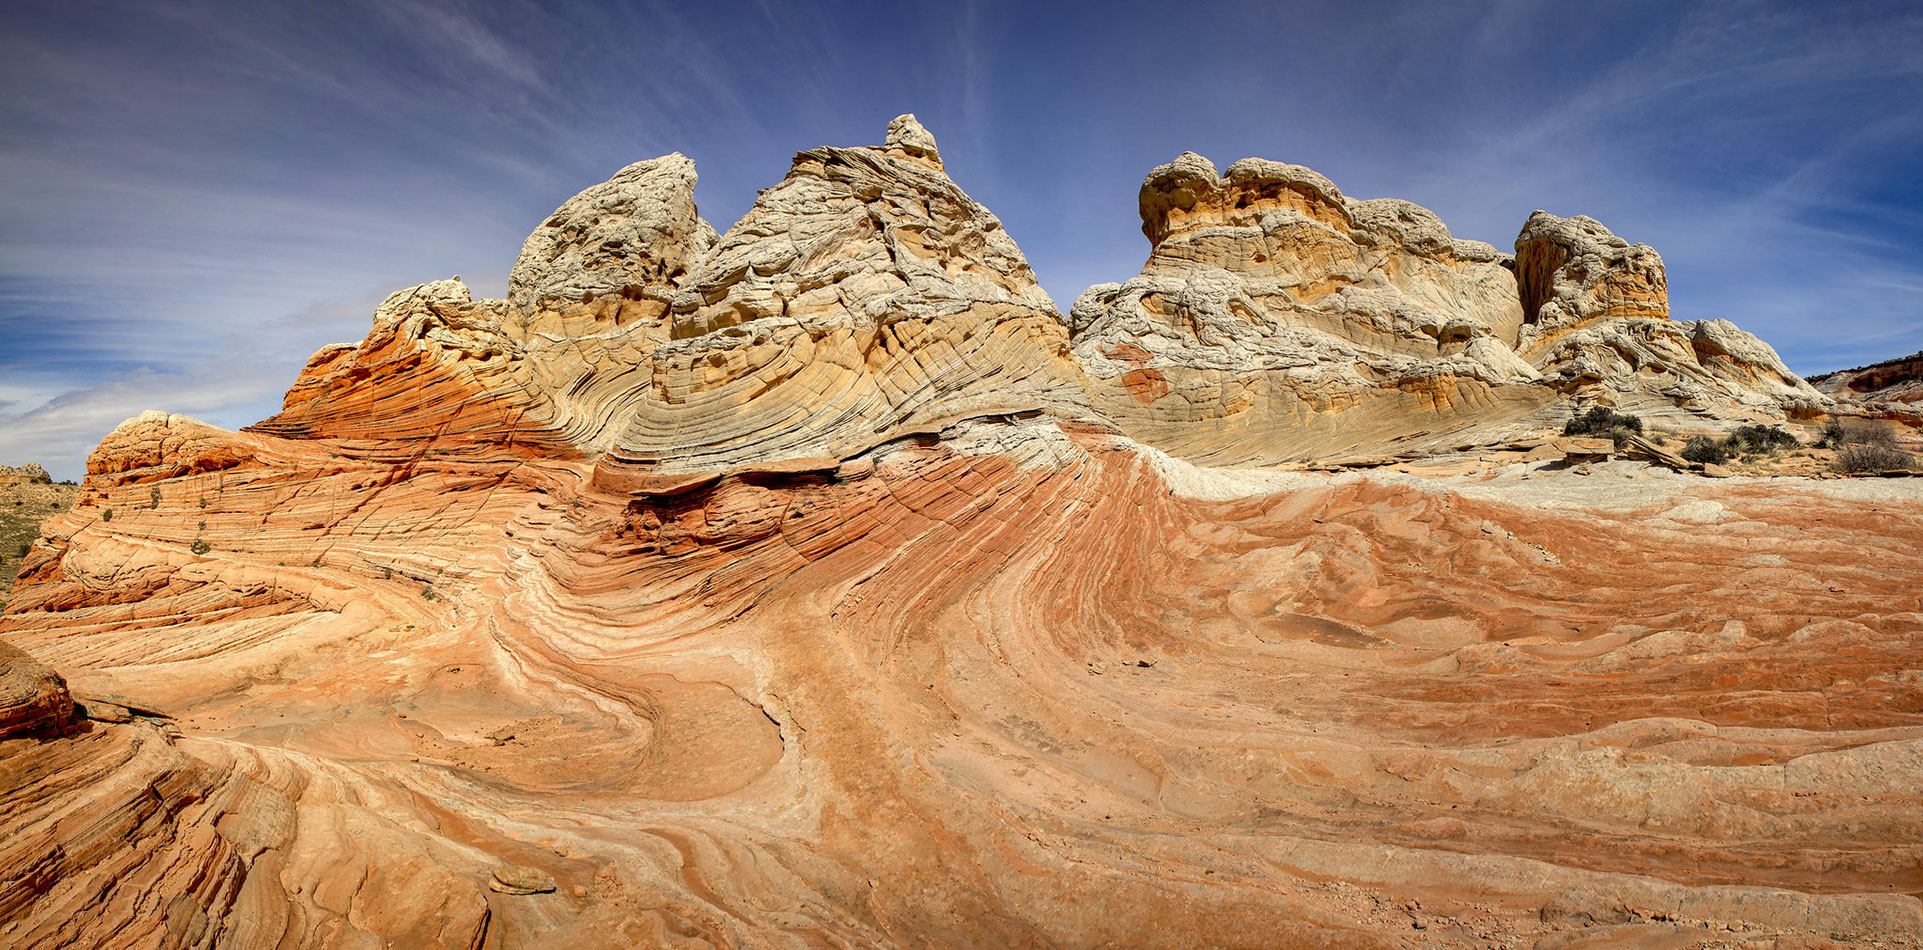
(153, 496)
(1837, 434)
(1601, 420)
(1705, 450)
(107, 514)
(1877, 456)
(200, 546)
(1749, 440)
(22, 550)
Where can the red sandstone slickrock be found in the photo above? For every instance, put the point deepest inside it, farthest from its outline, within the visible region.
(818, 583)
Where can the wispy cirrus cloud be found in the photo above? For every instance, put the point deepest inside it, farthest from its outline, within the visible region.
(195, 195)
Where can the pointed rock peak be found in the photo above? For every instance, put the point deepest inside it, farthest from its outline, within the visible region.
(909, 137)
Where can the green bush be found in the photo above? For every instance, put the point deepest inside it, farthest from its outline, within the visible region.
(154, 497)
(1601, 420)
(200, 546)
(1749, 440)
(1705, 450)
(107, 514)
(25, 546)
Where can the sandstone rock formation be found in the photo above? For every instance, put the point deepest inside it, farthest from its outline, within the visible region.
(1278, 318)
(798, 587)
(863, 299)
(1596, 322)
(26, 501)
(28, 474)
(1891, 381)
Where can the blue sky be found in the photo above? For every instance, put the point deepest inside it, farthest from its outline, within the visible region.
(194, 195)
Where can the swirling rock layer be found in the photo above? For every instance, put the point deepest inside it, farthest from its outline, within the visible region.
(807, 597)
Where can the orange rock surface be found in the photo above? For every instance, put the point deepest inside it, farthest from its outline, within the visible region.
(471, 648)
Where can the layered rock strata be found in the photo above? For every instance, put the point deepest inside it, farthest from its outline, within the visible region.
(864, 298)
(844, 616)
(1280, 320)
(1277, 318)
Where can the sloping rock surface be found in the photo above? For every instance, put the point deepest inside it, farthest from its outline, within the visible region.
(799, 587)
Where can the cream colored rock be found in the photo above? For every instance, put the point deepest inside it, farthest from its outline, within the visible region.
(864, 297)
(639, 229)
(1598, 326)
(909, 137)
(1574, 272)
(1278, 317)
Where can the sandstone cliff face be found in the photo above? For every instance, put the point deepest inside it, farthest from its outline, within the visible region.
(797, 588)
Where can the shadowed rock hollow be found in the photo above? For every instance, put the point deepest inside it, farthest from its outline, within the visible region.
(819, 584)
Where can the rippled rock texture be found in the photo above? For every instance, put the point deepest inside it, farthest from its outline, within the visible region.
(798, 587)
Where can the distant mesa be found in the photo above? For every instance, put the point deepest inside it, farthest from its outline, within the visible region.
(28, 474)
(1893, 384)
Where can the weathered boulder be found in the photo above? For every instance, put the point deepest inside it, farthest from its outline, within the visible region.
(638, 231)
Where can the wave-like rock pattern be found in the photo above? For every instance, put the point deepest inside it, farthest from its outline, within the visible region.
(876, 631)
(865, 296)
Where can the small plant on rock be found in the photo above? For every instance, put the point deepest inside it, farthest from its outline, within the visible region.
(153, 496)
(200, 546)
(107, 514)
